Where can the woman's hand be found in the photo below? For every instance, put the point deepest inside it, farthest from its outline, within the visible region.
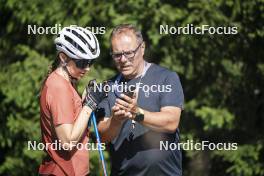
(93, 96)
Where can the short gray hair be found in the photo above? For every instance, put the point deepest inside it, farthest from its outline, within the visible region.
(127, 27)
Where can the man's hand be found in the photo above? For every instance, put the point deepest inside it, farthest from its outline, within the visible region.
(110, 127)
(119, 114)
(94, 97)
(128, 104)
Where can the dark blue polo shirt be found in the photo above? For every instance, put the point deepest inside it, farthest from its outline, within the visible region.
(137, 151)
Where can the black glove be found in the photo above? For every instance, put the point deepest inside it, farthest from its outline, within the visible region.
(94, 95)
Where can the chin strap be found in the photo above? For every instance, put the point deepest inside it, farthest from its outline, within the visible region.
(72, 79)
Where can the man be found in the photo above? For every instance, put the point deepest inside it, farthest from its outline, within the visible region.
(136, 126)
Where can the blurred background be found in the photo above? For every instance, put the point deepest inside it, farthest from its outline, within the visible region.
(222, 75)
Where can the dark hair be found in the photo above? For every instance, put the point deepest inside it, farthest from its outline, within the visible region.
(124, 28)
(52, 67)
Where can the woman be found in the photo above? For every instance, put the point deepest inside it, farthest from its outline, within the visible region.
(63, 118)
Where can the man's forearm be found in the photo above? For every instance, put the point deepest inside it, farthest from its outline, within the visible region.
(109, 128)
(161, 121)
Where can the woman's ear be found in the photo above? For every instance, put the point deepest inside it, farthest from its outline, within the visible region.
(63, 58)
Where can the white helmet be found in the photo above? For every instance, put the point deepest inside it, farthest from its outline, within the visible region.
(77, 43)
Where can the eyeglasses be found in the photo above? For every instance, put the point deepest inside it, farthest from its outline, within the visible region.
(83, 63)
(128, 54)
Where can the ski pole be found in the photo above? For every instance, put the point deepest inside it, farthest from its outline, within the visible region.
(99, 143)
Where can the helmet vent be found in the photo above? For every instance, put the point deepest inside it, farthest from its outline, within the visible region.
(78, 47)
(69, 50)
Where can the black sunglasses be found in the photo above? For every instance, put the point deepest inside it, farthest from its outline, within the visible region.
(83, 63)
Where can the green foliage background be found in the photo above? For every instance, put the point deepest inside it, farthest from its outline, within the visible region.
(222, 75)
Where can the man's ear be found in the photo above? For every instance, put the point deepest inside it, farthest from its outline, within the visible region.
(143, 45)
(143, 48)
